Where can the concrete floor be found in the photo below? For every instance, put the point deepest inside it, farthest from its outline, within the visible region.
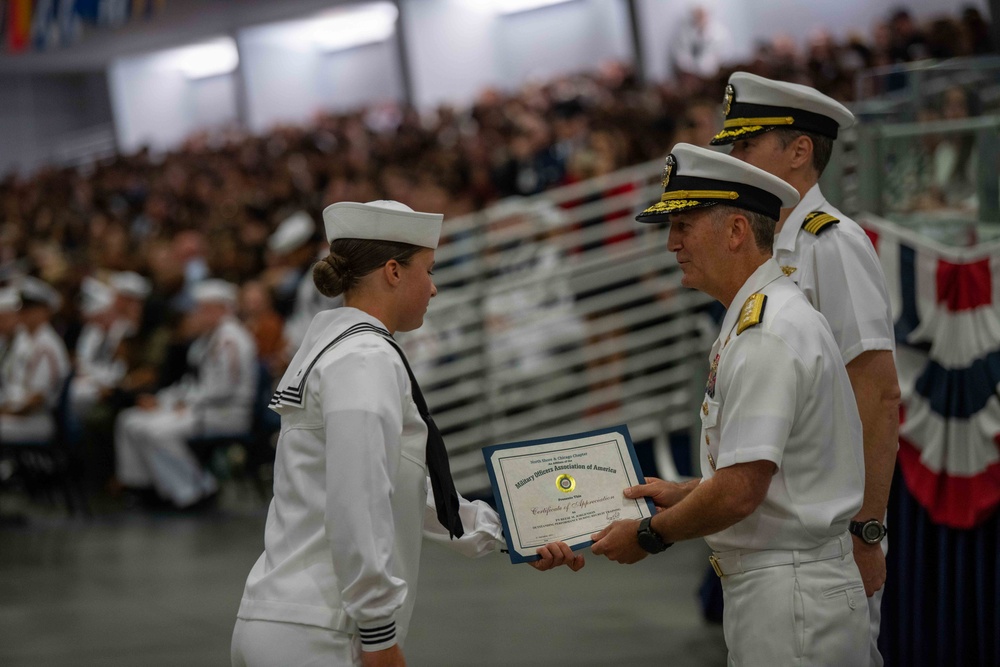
(132, 588)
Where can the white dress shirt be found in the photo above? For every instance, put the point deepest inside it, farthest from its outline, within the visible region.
(779, 392)
(840, 274)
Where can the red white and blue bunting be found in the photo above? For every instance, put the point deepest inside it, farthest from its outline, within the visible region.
(946, 309)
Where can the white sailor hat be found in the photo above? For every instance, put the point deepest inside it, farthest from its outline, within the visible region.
(213, 290)
(382, 220)
(697, 177)
(10, 300)
(131, 284)
(95, 297)
(37, 291)
(292, 233)
(754, 105)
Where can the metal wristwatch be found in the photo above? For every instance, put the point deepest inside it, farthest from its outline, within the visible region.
(649, 539)
(871, 531)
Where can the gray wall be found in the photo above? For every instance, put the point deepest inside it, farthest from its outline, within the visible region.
(289, 83)
(460, 47)
(155, 105)
(42, 112)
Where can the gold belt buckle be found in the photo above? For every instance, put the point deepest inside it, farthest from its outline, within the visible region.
(715, 566)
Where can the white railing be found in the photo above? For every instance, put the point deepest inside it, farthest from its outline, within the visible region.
(85, 148)
(559, 314)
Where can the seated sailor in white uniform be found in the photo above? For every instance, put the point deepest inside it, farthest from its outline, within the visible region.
(98, 368)
(216, 398)
(38, 368)
(131, 292)
(124, 364)
(361, 474)
(10, 306)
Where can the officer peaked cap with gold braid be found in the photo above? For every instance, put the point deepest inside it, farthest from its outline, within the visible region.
(753, 105)
(697, 177)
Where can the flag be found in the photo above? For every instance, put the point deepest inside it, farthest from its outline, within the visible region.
(18, 24)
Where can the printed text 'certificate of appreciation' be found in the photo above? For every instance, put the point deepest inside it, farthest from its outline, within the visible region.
(564, 488)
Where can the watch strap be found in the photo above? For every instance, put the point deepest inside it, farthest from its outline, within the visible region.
(649, 539)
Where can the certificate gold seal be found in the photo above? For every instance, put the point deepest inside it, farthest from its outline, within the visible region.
(565, 483)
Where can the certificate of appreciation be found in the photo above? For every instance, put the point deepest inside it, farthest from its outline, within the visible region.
(564, 488)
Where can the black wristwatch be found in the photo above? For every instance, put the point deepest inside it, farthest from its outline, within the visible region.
(649, 540)
(871, 531)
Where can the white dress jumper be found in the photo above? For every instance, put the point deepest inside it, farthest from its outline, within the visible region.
(351, 506)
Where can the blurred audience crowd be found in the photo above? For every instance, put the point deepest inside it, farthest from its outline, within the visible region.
(158, 272)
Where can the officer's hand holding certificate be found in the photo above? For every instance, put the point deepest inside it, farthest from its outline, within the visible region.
(563, 489)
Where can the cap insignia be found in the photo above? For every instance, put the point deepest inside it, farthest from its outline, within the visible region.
(668, 170)
(727, 100)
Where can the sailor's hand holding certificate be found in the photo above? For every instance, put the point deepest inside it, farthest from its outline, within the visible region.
(564, 489)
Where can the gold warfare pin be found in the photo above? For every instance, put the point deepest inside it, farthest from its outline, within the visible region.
(565, 483)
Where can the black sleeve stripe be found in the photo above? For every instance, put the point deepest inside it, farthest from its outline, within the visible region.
(378, 635)
(381, 628)
(379, 640)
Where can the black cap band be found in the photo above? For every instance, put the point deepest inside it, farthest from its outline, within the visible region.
(747, 120)
(694, 192)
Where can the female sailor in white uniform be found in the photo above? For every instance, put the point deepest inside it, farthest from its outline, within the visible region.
(361, 473)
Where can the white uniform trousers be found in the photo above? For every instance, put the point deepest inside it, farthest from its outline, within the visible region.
(875, 615)
(37, 427)
(151, 448)
(274, 644)
(807, 613)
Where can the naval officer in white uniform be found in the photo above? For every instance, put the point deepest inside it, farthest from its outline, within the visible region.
(361, 474)
(215, 399)
(788, 130)
(781, 453)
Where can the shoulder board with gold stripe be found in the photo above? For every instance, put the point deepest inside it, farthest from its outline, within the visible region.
(752, 312)
(817, 221)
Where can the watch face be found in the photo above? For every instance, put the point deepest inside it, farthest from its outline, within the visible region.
(871, 532)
